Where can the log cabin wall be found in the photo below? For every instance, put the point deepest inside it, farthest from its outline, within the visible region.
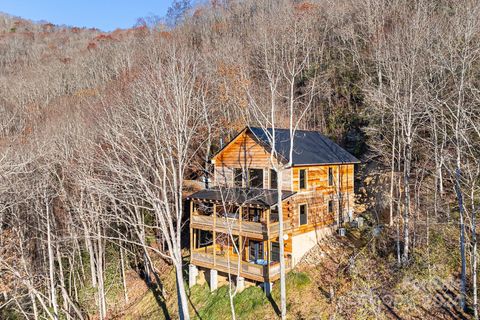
(318, 193)
(244, 152)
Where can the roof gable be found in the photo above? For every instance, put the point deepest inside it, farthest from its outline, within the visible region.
(310, 147)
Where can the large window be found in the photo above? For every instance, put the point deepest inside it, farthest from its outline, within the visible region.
(237, 177)
(303, 214)
(255, 178)
(330, 176)
(273, 179)
(302, 178)
(256, 250)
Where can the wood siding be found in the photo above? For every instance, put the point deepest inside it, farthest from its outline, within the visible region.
(317, 194)
(244, 152)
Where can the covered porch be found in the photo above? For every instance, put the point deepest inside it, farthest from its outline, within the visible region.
(236, 232)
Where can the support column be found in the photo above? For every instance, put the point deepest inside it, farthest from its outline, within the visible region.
(213, 280)
(214, 234)
(268, 244)
(240, 238)
(267, 287)
(192, 275)
(240, 284)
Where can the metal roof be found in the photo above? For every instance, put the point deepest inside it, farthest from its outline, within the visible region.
(309, 147)
(252, 196)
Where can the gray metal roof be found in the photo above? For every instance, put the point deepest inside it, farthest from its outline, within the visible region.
(309, 147)
(252, 196)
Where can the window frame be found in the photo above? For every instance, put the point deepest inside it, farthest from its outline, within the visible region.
(249, 178)
(271, 251)
(305, 179)
(330, 206)
(271, 174)
(331, 179)
(300, 205)
(261, 248)
(236, 175)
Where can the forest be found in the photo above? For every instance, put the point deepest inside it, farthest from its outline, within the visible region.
(102, 134)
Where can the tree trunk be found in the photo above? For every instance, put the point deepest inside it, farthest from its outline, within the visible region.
(474, 257)
(283, 289)
(406, 210)
(51, 262)
(182, 296)
(463, 280)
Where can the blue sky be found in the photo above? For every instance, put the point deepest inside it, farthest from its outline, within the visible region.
(105, 15)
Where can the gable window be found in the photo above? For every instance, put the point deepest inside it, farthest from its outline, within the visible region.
(237, 177)
(255, 178)
(302, 173)
(330, 176)
(330, 206)
(273, 179)
(303, 214)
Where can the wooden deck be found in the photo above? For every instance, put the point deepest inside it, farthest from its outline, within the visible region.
(204, 257)
(256, 230)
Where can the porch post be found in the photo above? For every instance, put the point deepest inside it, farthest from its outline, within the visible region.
(191, 229)
(268, 243)
(214, 234)
(240, 238)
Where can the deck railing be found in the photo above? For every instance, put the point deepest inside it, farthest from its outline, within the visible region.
(247, 269)
(235, 225)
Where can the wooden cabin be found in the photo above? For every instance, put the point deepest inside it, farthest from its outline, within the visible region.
(234, 225)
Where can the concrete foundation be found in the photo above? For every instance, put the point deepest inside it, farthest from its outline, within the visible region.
(192, 275)
(240, 284)
(213, 280)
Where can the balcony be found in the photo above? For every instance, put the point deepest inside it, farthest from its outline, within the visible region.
(206, 257)
(257, 230)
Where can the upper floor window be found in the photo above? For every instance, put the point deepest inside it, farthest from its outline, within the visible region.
(302, 178)
(255, 178)
(303, 214)
(273, 179)
(237, 177)
(330, 176)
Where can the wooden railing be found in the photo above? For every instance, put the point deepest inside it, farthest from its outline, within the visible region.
(230, 264)
(235, 225)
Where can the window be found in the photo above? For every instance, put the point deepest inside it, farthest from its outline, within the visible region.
(254, 214)
(256, 250)
(273, 179)
(255, 178)
(274, 215)
(330, 206)
(237, 177)
(330, 176)
(303, 214)
(302, 178)
(275, 252)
